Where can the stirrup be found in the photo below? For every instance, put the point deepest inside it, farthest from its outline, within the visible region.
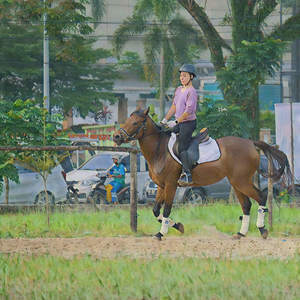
(184, 177)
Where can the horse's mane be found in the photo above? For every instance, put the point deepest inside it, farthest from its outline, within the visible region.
(160, 151)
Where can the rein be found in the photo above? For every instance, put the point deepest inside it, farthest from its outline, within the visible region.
(132, 136)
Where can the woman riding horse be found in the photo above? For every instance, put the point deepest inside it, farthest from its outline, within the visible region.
(238, 162)
(184, 107)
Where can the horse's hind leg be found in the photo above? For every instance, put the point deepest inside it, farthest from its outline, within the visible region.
(156, 211)
(262, 209)
(246, 207)
(251, 191)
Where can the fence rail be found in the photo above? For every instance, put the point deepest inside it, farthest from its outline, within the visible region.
(133, 170)
(68, 148)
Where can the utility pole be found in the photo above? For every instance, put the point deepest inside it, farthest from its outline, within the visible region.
(281, 61)
(162, 83)
(46, 62)
(295, 87)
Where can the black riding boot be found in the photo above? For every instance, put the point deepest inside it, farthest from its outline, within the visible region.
(186, 174)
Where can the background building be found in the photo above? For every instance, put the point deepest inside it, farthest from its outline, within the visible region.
(133, 92)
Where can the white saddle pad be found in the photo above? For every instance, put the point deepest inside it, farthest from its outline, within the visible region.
(209, 150)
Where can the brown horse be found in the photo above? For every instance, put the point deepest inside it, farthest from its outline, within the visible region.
(238, 162)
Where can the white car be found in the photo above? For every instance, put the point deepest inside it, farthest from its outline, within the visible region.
(30, 190)
(85, 177)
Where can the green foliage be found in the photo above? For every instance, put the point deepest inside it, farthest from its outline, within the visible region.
(7, 169)
(131, 61)
(76, 80)
(267, 120)
(245, 71)
(152, 113)
(284, 197)
(62, 16)
(248, 68)
(222, 119)
(25, 123)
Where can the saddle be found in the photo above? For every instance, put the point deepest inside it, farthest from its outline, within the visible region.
(193, 149)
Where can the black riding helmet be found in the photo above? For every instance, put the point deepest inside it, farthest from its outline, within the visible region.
(188, 68)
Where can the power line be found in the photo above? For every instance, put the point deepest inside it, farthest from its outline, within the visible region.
(148, 23)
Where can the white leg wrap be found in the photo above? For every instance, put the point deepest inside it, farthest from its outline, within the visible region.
(172, 223)
(164, 225)
(245, 224)
(160, 217)
(260, 216)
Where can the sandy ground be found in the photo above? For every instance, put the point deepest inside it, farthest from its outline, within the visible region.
(214, 245)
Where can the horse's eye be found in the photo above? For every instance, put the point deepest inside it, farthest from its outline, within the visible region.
(135, 123)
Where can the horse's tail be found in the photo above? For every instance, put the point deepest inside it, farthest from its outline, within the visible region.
(279, 162)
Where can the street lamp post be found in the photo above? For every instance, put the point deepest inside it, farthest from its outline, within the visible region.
(46, 93)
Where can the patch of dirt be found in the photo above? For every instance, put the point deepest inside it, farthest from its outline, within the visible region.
(213, 245)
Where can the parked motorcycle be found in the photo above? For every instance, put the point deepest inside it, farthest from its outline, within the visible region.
(72, 195)
(98, 193)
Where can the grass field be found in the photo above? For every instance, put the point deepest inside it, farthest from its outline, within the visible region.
(31, 276)
(45, 277)
(286, 222)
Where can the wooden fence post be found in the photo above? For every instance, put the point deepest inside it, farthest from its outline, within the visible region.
(270, 194)
(6, 183)
(133, 193)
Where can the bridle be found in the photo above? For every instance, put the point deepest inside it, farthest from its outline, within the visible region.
(131, 137)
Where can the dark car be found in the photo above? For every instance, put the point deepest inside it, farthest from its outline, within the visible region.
(219, 190)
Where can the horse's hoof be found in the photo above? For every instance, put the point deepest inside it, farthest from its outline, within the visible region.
(158, 236)
(264, 232)
(238, 236)
(179, 226)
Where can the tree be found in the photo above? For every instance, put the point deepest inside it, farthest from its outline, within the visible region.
(167, 40)
(222, 119)
(98, 10)
(76, 79)
(25, 123)
(42, 162)
(14, 130)
(247, 19)
(267, 120)
(245, 71)
(131, 61)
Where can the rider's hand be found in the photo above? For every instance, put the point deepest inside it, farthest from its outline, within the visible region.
(171, 124)
(164, 121)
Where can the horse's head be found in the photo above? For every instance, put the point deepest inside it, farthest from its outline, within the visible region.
(133, 128)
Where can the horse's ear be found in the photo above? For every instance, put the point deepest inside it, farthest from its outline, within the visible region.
(146, 111)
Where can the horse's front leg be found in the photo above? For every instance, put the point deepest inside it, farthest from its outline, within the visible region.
(165, 196)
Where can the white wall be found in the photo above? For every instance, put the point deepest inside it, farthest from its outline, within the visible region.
(283, 131)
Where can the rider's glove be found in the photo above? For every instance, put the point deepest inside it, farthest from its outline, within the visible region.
(171, 124)
(164, 121)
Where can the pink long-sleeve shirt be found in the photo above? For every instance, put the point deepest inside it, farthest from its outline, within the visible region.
(185, 101)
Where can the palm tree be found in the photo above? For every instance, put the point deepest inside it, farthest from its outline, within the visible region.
(167, 39)
(98, 10)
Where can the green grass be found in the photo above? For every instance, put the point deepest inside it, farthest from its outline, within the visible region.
(286, 222)
(46, 277)
(85, 277)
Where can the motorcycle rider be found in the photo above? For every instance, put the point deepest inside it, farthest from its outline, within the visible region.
(117, 172)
